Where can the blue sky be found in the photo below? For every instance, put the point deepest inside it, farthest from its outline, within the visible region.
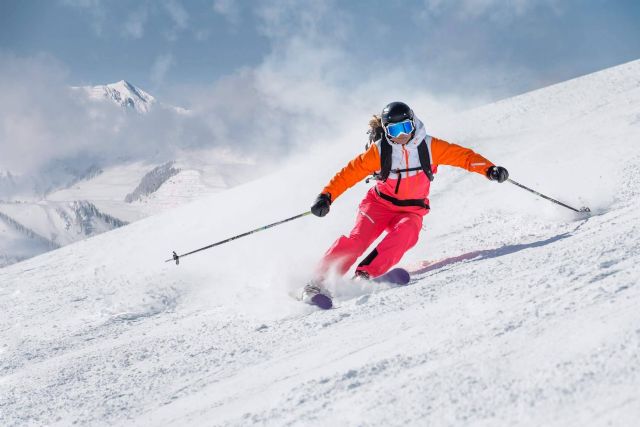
(479, 48)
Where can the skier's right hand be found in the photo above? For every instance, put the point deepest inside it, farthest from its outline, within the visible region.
(321, 205)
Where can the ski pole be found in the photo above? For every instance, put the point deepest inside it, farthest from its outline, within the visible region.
(582, 209)
(177, 257)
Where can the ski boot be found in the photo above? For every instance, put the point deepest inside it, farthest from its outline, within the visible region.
(314, 294)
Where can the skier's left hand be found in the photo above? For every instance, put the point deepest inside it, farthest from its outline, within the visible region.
(497, 173)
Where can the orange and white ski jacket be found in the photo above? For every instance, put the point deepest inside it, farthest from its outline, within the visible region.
(414, 184)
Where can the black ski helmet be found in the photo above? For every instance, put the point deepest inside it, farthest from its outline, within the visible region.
(396, 112)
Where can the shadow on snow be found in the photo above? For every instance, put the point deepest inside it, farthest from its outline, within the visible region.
(490, 253)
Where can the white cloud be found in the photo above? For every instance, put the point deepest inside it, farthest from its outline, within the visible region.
(102, 13)
(177, 13)
(86, 4)
(202, 35)
(135, 23)
(47, 129)
(160, 67)
(230, 9)
(310, 88)
(96, 11)
(285, 18)
(42, 120)
(494, 10)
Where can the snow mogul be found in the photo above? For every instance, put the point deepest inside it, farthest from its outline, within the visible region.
(403, 159)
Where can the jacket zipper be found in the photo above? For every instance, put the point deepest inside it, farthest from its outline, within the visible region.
(406, 161)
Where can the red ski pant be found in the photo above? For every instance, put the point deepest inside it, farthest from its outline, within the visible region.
(375, 216)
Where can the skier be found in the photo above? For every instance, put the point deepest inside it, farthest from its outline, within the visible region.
(404, 160)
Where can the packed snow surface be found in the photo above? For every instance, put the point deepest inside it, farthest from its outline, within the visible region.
(520, 311)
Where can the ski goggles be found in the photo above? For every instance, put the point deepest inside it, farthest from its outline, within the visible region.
(396, 129)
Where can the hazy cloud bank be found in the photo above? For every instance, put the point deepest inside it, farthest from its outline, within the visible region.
(318, 84)
(307, 90)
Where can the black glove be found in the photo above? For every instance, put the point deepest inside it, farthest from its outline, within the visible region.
(321, 205)
(497, 173)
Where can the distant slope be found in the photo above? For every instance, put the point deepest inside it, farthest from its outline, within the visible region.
(31, 229)
(152, 181)
(19, 242)
(521, 313)
(126, 193)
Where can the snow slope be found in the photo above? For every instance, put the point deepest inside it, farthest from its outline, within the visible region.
(20, 242)
(521, 313)
(126, 192)
(33, 228)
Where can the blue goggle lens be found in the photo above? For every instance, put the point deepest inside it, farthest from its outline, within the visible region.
(395, 129)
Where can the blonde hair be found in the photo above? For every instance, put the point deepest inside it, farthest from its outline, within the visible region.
(375, 130)
(375, 122)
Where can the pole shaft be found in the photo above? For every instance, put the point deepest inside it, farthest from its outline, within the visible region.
(242, 235)
(542, 195)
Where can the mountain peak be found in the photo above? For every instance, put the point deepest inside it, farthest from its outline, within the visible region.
(128, 87)
(124, 94)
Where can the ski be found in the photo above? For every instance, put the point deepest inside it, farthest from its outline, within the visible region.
(396, 276)
(316, 295)
(321, 298)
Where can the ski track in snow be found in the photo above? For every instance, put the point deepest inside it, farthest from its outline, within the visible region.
(522, 315)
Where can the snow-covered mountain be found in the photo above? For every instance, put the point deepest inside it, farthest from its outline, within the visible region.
(520, 312)
(128, 96)
(125, 191)
(121, 93)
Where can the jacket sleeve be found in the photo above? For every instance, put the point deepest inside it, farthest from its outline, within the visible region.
(355, 171)
(444, 153)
